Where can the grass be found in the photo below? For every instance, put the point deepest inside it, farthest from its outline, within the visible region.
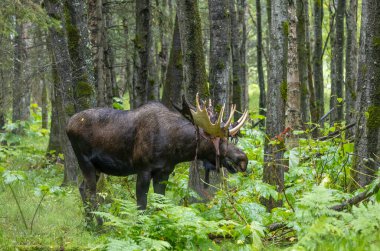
(58, 223)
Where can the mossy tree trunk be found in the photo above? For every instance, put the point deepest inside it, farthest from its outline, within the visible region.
(173, 87)
(190, 30)
(351, 61)
(318, 60)
(80, 54)
(367, 131)
(63, 84)
(220, 52)
(293, 100)
(195, 79)
(260, 70)
(273, 172)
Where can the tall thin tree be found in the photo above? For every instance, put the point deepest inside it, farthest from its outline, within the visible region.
(260, 70)
(367, 131)
(318, 60)
(273, 172)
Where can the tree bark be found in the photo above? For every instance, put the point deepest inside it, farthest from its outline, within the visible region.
(142, 52)
(190, 30)
(173, 88)
(337, 53)
(243, 12)
(63, 86)
(219, 51)
(194, 70)
(318, 60)
(367, 131)
(273, 172)
(99, 46)
(351, 61)
(260, 70)
(237, 76)
(21, 88)
(80, 54)
(293, 100)
(302, 16)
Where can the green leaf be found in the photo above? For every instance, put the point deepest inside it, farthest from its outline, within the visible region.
(339, 100)
(13, 176)
(348, 147)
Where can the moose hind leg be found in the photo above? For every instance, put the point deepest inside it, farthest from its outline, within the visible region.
(159, 182)
(142, 188)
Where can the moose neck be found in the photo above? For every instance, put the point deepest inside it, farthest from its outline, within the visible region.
(188, 140)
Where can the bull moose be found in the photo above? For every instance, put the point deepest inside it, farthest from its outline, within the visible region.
(149, 141)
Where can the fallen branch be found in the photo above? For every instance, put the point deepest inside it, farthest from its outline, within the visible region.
(356, 199)
(340, 207)
(330, 135)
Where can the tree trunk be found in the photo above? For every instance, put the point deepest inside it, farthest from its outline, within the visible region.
(64, 86)
(99, 45)
(173, 88)
(142, 52)
(195, 79)
(293, 100)
(302, 13)
(21, 88)
(109, 55)
(55, 137)
(2, 98)
(273, 172)
(243, 12)
(351, 62)
(237, 81)
(337, 70)
(80, 54)
(190, 30)
(318, 60)
(219, 51)
(367, 131)
(128, 64)
(312, 100)
(44, 103)
(260, 70)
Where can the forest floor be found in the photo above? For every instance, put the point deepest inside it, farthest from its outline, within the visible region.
(36, 213)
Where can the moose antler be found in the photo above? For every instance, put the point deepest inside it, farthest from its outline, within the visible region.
(220, 129)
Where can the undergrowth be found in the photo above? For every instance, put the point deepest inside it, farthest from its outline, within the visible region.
(36, 213)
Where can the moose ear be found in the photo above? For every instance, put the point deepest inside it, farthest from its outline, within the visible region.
(185, 110)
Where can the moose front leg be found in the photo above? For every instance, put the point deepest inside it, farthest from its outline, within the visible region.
(142, 188)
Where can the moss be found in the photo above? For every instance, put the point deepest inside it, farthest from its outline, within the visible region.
(151, 81)
(373, 121)
(376, 41)
(138, 42)
(319, 3)
(284, 90)
(178, 61)
(72, 32)
(84, 88)
(70, 109)
(220, 65)
(285, 28)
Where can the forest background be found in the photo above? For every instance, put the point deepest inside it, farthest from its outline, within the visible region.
(307, 70)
